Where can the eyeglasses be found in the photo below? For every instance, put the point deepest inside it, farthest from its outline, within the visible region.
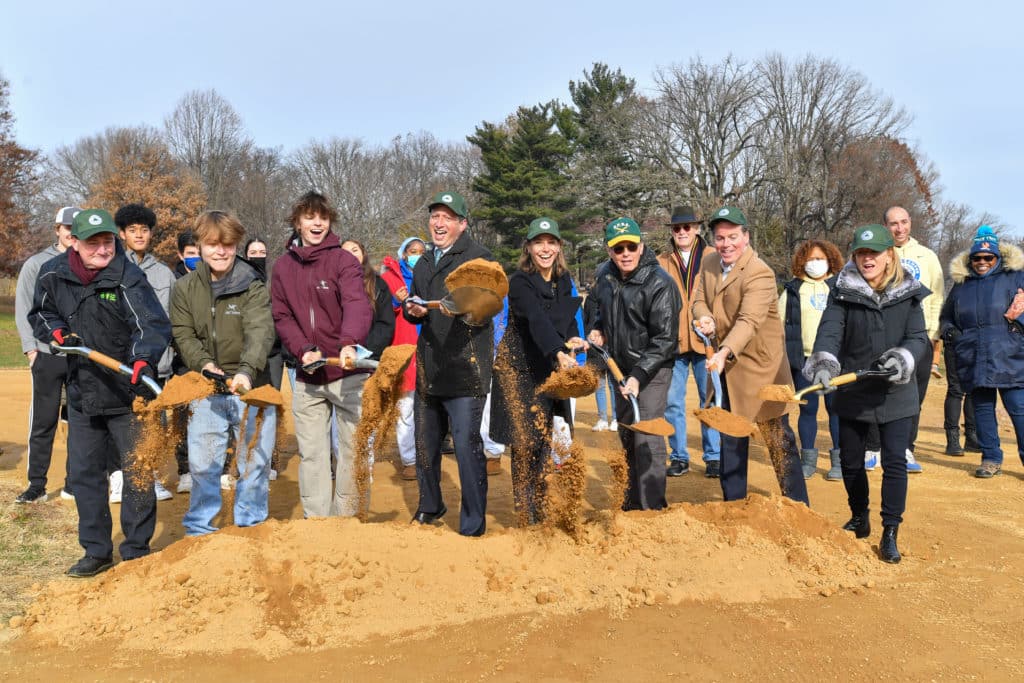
(632, 246)
(985, 258)
(679, 227)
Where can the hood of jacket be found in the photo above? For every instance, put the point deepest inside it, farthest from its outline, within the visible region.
(1011, 258)
(850, 280)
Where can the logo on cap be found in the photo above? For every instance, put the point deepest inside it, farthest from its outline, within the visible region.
(447, 198)
(866, 235)
(95, 220)
(723, 212)
(620, 227)
(544, 225)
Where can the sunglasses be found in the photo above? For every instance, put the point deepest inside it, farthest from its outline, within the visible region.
(683, 226)
(985, 258)
(632, 246)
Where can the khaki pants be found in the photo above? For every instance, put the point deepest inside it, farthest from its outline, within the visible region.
(312, 405)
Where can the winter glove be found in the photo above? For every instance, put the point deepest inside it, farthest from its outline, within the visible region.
(140, 369)
(900, 360)
(63, 337)
(951, 334)
(824, 378)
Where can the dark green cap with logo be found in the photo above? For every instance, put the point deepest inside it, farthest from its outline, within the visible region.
(621, 230)
(874, 237)
(453, 200)
(543, 226)
(731, 214)
(92, 222)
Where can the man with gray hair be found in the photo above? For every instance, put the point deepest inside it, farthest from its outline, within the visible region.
(49, 371)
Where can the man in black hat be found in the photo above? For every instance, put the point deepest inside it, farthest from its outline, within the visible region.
(682, 262)
(454, 361)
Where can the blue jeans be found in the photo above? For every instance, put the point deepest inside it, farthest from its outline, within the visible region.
(604, 383)
(985, 420)
(208, 428)
(807, 423)
(675, 413)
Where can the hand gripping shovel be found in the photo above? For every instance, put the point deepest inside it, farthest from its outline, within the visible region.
(716, 416)
(658, 426)
(784, 393)
(260, 396)
(108, 362)
(362, 363)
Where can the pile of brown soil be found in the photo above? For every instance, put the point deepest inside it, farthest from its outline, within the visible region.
(263, 396)
(571, 383)
(481, 274)
(179, 390)
(324, 583)
(658, 426)
(725, 422)
(782, 393)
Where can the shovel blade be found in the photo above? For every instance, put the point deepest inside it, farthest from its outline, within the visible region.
(725, 422)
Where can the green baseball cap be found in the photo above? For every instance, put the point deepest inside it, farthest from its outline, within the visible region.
(874, 237)
(621, 230)
(543, 226)
(728, 213)
(92, 222)
(453, 200)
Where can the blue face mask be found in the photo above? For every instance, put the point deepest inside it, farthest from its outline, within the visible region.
(412, 259)
(192, 261)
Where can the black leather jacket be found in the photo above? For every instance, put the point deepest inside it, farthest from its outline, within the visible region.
(638, 316)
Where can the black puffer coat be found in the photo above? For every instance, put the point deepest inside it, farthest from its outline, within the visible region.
(638, 316)
(117, 314)
(453, 358)
(856, 328)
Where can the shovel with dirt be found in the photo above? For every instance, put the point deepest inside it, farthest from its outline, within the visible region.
(715, 416)
(783, 393)
(108, 362)
(657, 426)
(477, 290)
(260, 397)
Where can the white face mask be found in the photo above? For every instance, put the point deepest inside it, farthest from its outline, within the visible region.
(816, 268)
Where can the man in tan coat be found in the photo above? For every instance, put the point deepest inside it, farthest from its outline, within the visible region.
(682, 262)
(736, 300)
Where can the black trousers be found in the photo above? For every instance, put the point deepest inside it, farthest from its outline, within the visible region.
(49, 375)
(89, 440)
(782, 451)
(645, 453)
(895, 437)
(432, 415)
(955, 396)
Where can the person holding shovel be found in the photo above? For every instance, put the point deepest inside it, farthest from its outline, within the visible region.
(222, 325)
(541, 323)
(93, 296)
(874, 320)
(736, 303)
(637, 322)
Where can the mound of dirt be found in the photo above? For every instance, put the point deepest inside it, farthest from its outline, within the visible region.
(318, 583)
(569, 383)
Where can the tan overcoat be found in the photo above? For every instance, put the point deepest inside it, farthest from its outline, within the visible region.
(745, 309)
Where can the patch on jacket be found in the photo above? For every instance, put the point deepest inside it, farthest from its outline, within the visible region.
(912, 267)
(109, 295)
(232, 309)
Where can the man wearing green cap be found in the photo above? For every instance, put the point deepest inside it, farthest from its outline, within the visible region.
(93, 296)
(736, 300)
(453, 376)
(637, 321)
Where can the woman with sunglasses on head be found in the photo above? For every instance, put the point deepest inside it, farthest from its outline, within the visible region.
(874, 321)
(983, 320)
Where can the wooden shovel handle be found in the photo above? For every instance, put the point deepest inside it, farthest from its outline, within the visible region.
(106, 361)
(840, 380)
(613, 368)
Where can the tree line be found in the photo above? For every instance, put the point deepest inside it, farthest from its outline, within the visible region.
(806, 147)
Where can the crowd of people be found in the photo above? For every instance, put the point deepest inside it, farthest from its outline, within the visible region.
(706, 305)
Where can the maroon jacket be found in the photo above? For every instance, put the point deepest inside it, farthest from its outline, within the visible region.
(318, 302)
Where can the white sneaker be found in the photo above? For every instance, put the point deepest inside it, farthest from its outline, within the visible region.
(871, 459)
(116, 485)
(227, 482)
(912, 465)
(273, 475)
(66, 495)
(614, 426)
(601, 426)
(185, 483)
(161, 492)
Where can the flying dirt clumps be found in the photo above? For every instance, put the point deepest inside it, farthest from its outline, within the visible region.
(283, 587)
(179, 390)
(569, 383)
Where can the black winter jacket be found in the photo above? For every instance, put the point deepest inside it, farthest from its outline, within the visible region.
(382, 329)
(117, 313)
(638, 316)
(856, 328)
(453, 358)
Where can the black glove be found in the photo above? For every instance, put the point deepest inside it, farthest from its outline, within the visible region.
(951, 334)
(62, 337)
(824, 378)
(139, 370)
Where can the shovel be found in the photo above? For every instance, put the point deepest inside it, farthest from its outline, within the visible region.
(108, 362)
(783, 393)
(658, 426)
(715, 416)
(476, 289)
(260, 397)
(362, 364)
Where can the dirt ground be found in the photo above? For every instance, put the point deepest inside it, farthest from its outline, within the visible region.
(745, 591)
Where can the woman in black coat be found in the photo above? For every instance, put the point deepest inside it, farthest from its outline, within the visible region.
(873, 321)
(542, 319)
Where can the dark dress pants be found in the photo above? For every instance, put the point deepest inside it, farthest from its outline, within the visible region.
(894, 437)
(49, 374)
(645, 453)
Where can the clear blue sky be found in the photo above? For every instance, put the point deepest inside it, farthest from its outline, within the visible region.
(297, 71)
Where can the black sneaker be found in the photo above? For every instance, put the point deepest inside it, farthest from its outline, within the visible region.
(713, 469)
(90, 566)
(32, 495)
(678, 468)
